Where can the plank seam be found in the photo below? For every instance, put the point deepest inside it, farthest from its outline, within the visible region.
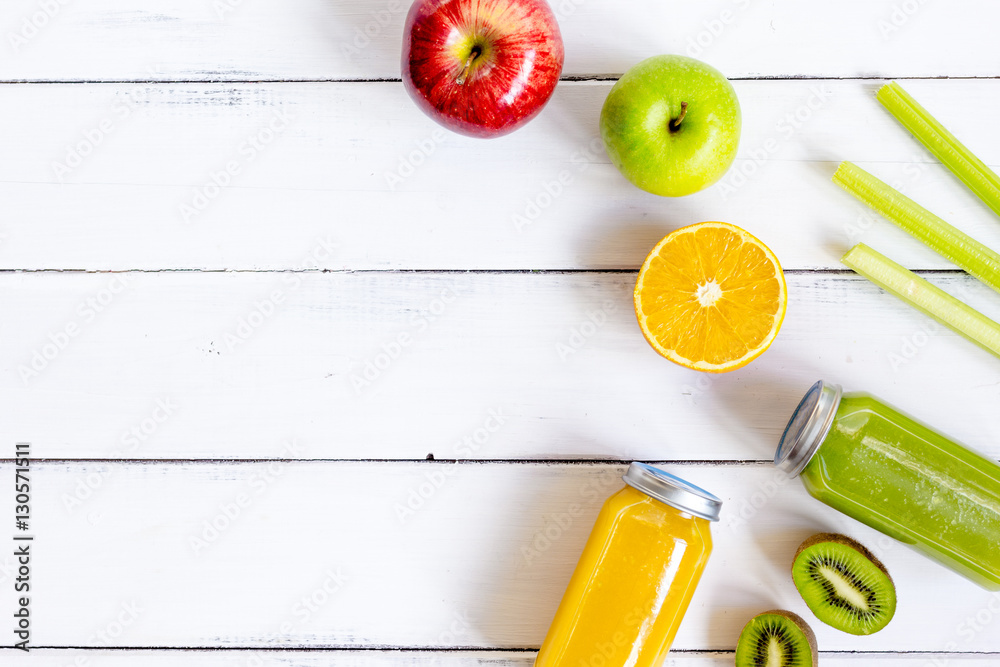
(847, 272)
(576, 78)
(541, 462)
(459, 649)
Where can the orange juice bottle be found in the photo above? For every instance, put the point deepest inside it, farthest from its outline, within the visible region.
(636, 576)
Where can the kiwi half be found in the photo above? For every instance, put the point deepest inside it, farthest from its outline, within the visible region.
(777, 638)
(844, 584)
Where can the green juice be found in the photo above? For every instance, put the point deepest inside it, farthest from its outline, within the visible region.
(889, 471)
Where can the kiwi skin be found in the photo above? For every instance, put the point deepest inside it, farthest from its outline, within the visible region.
(843, 540)
(799, 622)
(847, 542)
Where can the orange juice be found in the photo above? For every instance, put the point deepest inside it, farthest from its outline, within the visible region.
(635, 579)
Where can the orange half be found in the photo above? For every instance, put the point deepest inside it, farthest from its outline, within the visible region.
(710, 297)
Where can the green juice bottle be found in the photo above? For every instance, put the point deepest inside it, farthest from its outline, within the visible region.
(889, 471)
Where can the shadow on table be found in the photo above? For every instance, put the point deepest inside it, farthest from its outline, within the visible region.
(536, 545)
(764, 587)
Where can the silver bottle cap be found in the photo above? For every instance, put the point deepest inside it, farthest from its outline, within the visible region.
(808, 427)
(673, 491)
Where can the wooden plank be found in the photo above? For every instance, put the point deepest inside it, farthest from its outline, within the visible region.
(250, 658)
(95, 658)
(127, 176)
(429, 555)
(356, 39)
(460, 365)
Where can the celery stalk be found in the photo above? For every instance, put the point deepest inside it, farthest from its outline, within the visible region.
(960, 160)
(946, 240)
(924, 296)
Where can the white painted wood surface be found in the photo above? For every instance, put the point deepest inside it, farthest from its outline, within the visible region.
(359, 165)
(316, 39)
(411, 554)
(217, 337)
(401, 365)
(319, 658)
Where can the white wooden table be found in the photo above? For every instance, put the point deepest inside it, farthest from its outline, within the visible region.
(249, 289)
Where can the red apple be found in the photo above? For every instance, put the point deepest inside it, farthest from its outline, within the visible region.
(481, 67)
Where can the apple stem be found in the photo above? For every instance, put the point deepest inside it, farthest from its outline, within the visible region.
(475, 53)
(675, 124)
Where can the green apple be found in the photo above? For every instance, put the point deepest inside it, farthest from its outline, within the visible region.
(671, 125)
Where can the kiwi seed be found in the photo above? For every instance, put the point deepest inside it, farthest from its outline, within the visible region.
(777, 638)
(844, 584)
